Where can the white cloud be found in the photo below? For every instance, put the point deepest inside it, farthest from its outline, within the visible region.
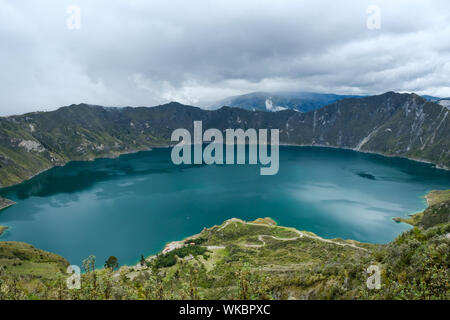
(150, 52)
(271, 107)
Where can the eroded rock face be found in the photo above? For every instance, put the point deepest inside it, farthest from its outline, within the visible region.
(31, 145)
(4, 161)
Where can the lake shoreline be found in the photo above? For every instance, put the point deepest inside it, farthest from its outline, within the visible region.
(2, 230)
(176, 244)
(5, 203)
(115, 156)
(368, 152)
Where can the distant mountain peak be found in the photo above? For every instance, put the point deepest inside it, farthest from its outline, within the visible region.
(277, 101)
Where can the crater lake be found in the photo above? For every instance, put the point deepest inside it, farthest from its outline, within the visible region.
(136, 203)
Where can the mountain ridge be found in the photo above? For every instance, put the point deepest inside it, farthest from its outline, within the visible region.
(391, 124)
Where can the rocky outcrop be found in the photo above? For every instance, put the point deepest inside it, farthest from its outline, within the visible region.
(5, 203)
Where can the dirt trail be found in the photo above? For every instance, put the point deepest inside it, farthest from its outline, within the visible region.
(137, 268)
(300, 235)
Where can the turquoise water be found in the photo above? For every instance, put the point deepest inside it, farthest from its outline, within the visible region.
(135, 204)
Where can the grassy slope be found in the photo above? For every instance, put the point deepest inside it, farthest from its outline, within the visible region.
(27, 272)
(24, 259)
(438, 205)
(437, 196)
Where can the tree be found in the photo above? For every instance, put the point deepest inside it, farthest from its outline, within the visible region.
(112, 263)
(89, 264)
(142, 260)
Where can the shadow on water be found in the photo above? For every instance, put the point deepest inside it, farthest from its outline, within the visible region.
(77, 176)
(366, 175)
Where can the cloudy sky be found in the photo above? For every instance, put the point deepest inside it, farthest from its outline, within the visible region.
(143, 53)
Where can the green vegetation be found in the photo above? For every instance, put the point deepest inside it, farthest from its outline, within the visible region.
(416, 265)
(436, 213)
(266, 221)
(112, 263)
(2, 229)
(437, 196)
(417, 262)
(251, 260)
(27, 272)
(4, 203)
(196, 241)
(169, 259)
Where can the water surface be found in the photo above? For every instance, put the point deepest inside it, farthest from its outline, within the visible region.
(136, 203)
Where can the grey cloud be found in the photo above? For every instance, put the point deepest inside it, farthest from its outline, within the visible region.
(140, 52)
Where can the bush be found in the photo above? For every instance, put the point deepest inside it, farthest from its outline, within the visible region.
(169, 259)
(198, 241)
(165, 260)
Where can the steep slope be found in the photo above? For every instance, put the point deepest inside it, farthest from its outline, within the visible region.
(391, 124)
(25, 272)
(416, 263)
